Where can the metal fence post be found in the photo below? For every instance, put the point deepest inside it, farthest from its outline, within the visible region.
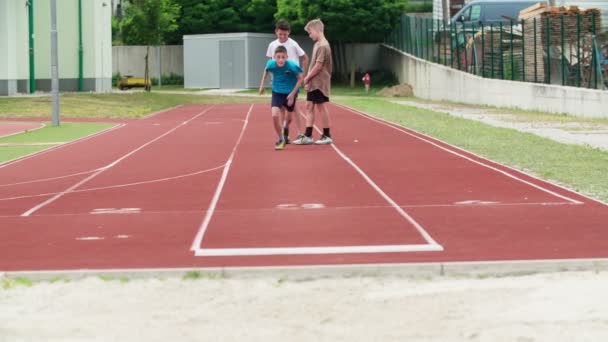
(578, 48)
(502, 61)
(492, 50)
(548, 30)
(512, 58)
(464, 41)
(523, 51)
(535, 54)
(483, 50)
(563, 47)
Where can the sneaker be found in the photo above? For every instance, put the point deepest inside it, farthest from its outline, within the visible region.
(303, 140)
(287, 141)
(325, 140)
(279, 145)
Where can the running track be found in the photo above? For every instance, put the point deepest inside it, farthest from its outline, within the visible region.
(201, 186)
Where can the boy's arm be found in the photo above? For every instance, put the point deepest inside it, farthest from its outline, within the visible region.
(313, 72)
(292, 95)
(304, 62)
(263, 83)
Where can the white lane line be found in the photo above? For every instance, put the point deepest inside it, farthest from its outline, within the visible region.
(316, 250)
(102, 211)
(42, 125)
(90, 238)
(35, 154)
(386, 197)
(118, 185)
(198, 239)
(403, 130)
(107, 167)
(151, 115)
(48, 179)
(431, 245)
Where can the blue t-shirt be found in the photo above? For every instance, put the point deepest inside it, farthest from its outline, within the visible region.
(285, 77)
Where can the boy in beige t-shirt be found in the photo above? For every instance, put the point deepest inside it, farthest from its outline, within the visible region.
(318, 84)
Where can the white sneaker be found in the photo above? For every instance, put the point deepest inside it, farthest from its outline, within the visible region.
(324, 140)
(303, 140)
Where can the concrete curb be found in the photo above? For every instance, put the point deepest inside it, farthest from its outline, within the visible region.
(486, 269)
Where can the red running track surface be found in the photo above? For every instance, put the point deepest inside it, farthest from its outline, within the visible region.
(202, 186)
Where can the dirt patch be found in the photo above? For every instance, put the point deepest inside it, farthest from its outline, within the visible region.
(402, 90)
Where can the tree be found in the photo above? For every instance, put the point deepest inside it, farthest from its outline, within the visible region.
(148, 22)
(220, 16)
(346, 21)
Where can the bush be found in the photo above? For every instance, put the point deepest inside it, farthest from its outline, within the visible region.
(172, 79)
(115, 78)
(425, 7)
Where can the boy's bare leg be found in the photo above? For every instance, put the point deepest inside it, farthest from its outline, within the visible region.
(310, 116)
(297, 115)
(277, 120)
(306, 139)
(324, 111)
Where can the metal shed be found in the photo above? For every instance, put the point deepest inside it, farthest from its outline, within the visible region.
(228, 60)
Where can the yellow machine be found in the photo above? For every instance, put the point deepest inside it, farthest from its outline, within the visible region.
(129, 82)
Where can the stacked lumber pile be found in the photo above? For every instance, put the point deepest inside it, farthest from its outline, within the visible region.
(497, 53)
(548, 30)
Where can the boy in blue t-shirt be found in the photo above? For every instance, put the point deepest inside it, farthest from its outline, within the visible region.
(286, 81)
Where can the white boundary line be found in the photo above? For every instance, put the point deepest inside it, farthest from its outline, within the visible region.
(198, 239)
(114, 163)
(387, 198)
(316, 250)
(153, 114)
(117, 185)
(35, 154)
(403, 130)
(42, 125)
(198, 251)
(47, 179)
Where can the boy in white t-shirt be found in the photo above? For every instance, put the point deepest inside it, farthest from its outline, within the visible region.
(294, 53)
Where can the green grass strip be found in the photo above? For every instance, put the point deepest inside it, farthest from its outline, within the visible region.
(65, 132)
(128, 105)
(580, 168)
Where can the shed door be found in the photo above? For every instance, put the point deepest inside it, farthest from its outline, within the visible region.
(232, 64)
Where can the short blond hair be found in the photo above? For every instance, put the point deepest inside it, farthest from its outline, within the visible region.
(316, 24)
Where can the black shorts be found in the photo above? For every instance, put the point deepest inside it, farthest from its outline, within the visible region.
(280, 100)
(316, 96)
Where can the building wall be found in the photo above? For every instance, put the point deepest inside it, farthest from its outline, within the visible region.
(13, 46)
(202, 61)
(437, 82)
(97, 66)
(130, 60)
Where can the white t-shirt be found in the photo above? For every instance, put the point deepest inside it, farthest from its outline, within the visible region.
(294, 51)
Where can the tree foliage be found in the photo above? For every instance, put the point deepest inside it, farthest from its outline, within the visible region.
(221, 16)
(346, 20)
(148, 22)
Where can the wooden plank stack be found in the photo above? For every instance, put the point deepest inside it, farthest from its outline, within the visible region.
(549, 22)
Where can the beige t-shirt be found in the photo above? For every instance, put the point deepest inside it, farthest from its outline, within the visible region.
(321, 53)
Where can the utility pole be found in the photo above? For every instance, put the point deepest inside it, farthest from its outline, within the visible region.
(54, 64)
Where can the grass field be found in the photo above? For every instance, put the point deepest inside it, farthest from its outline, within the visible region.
(115, 105)
(20, 143)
